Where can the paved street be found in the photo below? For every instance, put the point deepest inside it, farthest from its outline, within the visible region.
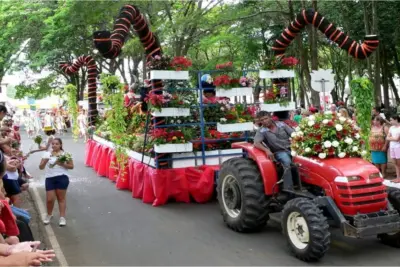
(109, 227)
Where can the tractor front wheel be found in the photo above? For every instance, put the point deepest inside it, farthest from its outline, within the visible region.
(241, 196)
(392, 239)
(306, 229)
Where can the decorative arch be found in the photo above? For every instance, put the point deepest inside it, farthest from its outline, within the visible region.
(110, 44)
(88, 61)
(310, 16)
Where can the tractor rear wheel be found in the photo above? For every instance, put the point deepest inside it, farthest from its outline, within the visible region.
(241, 196)
(306, 229)
(392, 239)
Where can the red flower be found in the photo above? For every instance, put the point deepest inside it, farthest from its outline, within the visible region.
(222, 80)
(318, 137)
(331, 123)
(180, 63)
(317, 126)
(331, 151)
(345, 132)
(317, 148)
(290, 61)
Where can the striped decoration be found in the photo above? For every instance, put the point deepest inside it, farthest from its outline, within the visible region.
(310, 16)
(70, 69)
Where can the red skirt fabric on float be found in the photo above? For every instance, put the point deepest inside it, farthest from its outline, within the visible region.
(102, 168)
(89, 151)
(153, 186)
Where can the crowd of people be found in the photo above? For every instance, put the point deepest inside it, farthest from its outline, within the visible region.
(17, 245)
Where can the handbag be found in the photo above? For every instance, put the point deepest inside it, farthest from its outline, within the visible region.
(22, 213)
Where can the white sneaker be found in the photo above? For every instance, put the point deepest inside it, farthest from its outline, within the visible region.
(47, 219)
(62, 222)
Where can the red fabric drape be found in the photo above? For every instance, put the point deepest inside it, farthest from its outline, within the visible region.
(155, 186)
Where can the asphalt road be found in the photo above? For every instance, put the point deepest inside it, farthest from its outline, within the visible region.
(109, 227)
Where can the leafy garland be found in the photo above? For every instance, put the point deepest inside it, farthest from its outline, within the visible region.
(73, 108)
(362, 90)
(114, 97)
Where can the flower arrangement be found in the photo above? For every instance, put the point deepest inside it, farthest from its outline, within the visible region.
(280, 63)
(277, 95)
(159, 63)
(38, 140)
(236, 114)
(246, 82)
(177, 100)
(165, 62)
(168, 136)
(327, 136)
(181, 63)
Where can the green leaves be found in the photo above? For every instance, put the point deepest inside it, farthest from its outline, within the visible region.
(363, 91)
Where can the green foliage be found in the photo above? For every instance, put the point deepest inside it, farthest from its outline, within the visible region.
(363, 91)
(73, 108)
(42, 88)
(109, 85)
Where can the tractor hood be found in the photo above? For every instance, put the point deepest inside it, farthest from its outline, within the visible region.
(331, 168)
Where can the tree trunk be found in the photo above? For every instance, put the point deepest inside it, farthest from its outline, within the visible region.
(144, 67)
(385, 82)
(367, 31)
(377, 67)
(315, 99)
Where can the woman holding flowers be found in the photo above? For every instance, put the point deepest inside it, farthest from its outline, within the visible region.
(57, 163)
(377, 143)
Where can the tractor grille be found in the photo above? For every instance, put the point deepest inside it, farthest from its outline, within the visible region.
(362, 197)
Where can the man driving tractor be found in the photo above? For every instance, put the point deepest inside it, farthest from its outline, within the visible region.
(274, 139)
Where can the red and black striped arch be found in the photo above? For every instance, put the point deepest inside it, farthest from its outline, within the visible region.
(310, 16)
(110, 44)
(70, 69)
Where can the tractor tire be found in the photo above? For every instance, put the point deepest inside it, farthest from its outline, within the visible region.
(392, 239)
(306, 229)
(241, 196)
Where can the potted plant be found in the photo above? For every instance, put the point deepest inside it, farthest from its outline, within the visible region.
(236, 119)
(276, 99)
(171, 141)
(165, 68)
(228, 86)
(276, 68)
(171, 105)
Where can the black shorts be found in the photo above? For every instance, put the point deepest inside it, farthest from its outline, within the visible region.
(12, 187)
(60, 182)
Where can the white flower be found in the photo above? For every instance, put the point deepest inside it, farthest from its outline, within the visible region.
(348, 140)
(311, 123)
(293, 153)
(307, 150)
(355, 148)
(311, 118)
(327, 144)
(222, 109)
(363, 153)
(338, 127)
(172, 121)
(300, 133)
(179, 121)
(293, 135)
(342, 155)
(335, 143)
(222, 120)
(297, 129)
(328, 112)
(325, 121)
(322, 155)
(357, 136)
(342, 119)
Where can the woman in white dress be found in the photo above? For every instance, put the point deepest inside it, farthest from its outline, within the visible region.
(60, 124)
(30, 125)
(82, 125)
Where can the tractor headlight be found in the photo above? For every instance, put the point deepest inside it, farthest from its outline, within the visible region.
(346, 179)
(375, 175)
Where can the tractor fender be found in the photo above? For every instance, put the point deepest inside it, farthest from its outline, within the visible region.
(265, 165)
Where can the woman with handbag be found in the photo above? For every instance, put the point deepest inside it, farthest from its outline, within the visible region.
(57, 164)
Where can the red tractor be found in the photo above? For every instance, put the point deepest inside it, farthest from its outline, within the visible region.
(344, 193)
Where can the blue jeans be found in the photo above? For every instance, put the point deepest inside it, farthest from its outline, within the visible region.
(286, 160)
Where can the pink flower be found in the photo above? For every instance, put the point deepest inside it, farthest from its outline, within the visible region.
(157, 57)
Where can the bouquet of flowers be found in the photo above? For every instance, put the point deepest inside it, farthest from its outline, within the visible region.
(64, 158)
(245, 81)
(327, 135)
(159, 63)
(38, 140)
